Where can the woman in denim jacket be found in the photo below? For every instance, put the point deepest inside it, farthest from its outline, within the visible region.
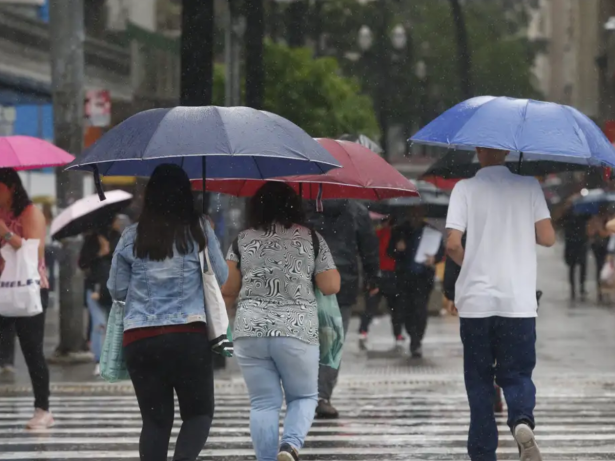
(156, 271)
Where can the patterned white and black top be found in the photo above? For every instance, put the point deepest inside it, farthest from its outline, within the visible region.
(277, 291)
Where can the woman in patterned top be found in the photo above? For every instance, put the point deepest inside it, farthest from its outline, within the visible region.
(272, 272)
(19, 220)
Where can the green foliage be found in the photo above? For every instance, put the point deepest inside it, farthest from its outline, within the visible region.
(310, 92)
(502, 56)
(313, 93)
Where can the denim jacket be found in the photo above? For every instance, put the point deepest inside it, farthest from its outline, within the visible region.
(162, 293)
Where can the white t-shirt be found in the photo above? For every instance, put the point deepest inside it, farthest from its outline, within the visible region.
(498, 211)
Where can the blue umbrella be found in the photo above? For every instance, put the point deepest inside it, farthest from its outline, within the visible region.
(529, 129)
(591, 202)
(208, 142)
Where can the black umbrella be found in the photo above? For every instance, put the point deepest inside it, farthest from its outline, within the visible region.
(461, 164)
(433, 200)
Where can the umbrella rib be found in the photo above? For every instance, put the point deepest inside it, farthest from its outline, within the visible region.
(522, 124)
(149, 141)
(570, 115)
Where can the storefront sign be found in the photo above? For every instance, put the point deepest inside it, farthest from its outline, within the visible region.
(98, 108)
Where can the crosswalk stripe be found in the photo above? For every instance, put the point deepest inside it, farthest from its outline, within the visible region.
(374, 425)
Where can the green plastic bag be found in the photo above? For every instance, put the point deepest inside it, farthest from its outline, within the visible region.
(330, 330)
(112, 363)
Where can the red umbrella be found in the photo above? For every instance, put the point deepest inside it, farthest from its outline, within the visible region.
(364, 175)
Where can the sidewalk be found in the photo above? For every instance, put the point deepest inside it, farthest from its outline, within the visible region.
(575, 343)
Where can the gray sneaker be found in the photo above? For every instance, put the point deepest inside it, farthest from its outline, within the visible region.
(524, 436)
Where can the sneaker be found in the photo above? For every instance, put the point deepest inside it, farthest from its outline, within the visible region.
(41, 420)
(363, 341)
(325, 410)
(288, 453)
(97, 370)
(400, 341)
(524, 436)
(417, 352)
(7, 370)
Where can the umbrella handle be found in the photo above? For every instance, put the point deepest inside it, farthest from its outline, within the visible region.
(98, 183)
(520, 161)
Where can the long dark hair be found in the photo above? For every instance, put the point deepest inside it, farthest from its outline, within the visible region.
(275, 202)
(169, 219)
(11, 179)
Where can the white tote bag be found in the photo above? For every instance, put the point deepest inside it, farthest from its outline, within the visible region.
(218, 330)
(20, 282)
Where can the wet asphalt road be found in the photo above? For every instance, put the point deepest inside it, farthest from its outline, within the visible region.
(391, 408)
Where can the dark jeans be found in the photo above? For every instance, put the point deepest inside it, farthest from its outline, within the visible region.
(575, 254)
(388, 290)
(504, 349)
(31, 332)
(413, 303)
(327, 376)
(180, 362)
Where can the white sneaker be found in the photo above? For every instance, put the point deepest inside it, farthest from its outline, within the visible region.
(524, 436)
(41, 420)
(97, 370)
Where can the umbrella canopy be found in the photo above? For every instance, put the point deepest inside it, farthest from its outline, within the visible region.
(435, 202)
(464, 164)
(364, 175)
(28, 153)
(591, 202)
(89, 213)
(529, 129)
(238, 142)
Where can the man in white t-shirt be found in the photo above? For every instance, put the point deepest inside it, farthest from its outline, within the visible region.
(503, 216)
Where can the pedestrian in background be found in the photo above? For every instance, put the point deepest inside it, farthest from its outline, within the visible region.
(598, 236)
(273, 267)
(156, 270)
(575, 245)
(387, 288)
(95, 261)
(504, 216)
(21, 220)
(348, 231)
(415, 280)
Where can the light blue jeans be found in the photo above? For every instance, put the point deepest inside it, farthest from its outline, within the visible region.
(99, 325)
(268, 366)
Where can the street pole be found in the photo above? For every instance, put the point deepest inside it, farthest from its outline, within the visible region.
(463, 50)
(255, 71)
(66, 32)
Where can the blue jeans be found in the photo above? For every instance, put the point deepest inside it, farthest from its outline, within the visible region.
(268, 365)
(504, 349)
(98, 325)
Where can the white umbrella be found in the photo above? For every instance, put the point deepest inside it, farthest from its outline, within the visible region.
(88, 213)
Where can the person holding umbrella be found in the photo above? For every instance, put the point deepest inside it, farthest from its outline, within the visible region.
(508, 215)
(156, 270)
(274, 267)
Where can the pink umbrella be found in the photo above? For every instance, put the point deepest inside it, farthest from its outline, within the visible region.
(364, 175)
(28, 153)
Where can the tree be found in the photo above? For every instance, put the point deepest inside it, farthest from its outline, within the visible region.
(314, 95)
(463, 49)
(197, 44)
(310, 92)
(502, 55)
